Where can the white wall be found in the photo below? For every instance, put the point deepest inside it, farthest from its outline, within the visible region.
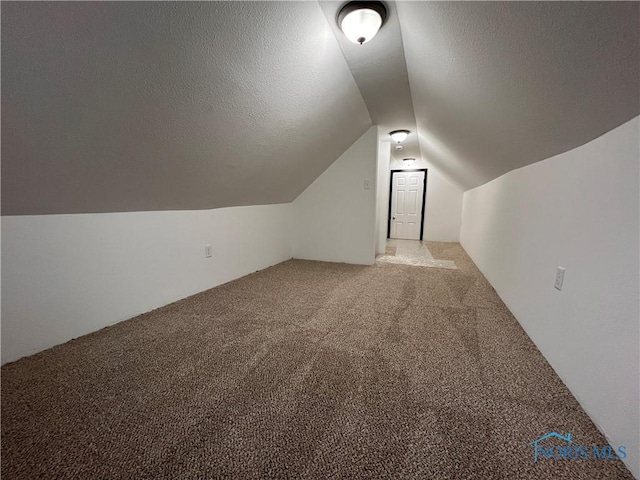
(67, 275)
(64, 276)
(334, 218)
(443, 205)
(382, 191)
(579, 210)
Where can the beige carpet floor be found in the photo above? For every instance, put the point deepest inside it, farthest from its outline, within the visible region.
(304, 370)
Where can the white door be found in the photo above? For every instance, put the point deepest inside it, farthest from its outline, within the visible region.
(406, 205)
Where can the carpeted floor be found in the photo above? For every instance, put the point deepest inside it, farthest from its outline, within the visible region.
(304, 370)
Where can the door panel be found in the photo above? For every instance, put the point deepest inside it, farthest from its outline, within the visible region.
(400, 202)
(413, 206)
(406, 205)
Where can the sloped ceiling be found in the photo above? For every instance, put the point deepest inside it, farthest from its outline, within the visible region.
(130, 106)
(136, 106)
(500, 85)
(380, 72)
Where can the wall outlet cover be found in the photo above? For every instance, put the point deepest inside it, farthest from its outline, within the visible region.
(559, 278)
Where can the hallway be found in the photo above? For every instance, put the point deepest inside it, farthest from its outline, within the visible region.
(412, 252)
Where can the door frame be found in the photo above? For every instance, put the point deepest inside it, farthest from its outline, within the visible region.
(424, 198)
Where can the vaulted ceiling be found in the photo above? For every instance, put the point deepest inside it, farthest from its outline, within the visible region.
(137, 106)
(128, 106)
(500, 85)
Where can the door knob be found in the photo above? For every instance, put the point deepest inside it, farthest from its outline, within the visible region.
(394, 218)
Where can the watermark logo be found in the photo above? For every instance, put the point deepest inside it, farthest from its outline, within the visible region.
(555, 446)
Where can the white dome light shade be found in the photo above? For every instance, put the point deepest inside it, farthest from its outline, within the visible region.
(360, 21)
(399, 136)
(408, 161)
(361, 26)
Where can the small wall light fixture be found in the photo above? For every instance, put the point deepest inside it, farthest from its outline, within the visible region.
(360, 21)
(399, 136)
(408, 161)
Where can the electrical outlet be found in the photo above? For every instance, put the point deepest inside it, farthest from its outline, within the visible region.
(559, 278)
(367, 184)
(208, 251)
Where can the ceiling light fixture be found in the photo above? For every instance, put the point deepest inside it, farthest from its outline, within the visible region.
(360, 21)
(399, 147)
(408, 161)
(399, 136)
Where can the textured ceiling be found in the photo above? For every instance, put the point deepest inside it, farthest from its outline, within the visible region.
(129, 106)
(134, 106)
(500, 85)
(380, 72)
